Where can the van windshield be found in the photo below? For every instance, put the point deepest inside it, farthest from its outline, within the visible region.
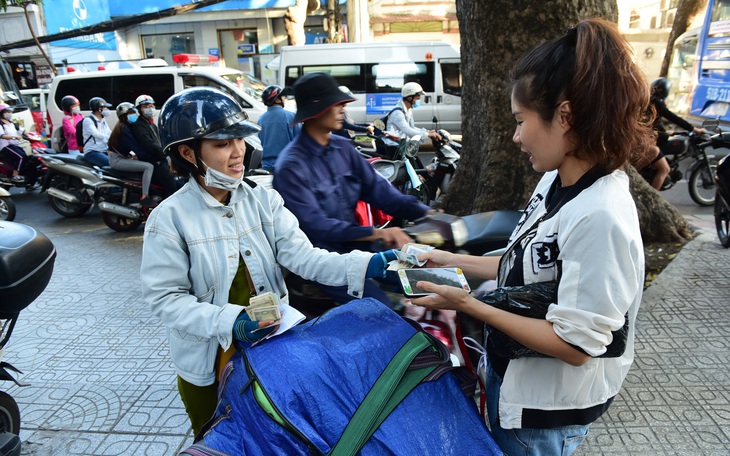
(246, 83)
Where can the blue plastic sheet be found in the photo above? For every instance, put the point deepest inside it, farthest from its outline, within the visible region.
(318, 373)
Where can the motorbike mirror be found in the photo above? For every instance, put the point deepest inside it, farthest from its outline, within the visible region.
(435, 119)
(711, 124)
(411, 147)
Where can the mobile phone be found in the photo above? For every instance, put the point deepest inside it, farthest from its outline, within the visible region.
(441, 276)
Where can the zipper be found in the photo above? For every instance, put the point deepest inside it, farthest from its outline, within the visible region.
(279, 418)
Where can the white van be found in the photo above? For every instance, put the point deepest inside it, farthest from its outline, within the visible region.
(375, 73)
(160, 82)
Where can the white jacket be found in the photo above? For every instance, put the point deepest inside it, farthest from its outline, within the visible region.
(595, 240)
(191, 248)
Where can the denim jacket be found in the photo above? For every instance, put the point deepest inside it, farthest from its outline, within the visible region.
(191, 248)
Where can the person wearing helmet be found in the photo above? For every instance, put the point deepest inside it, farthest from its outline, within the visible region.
(349, 127)
(10, 137)
(400, 121)
(659, 92)
(96, 133)
(277, 126)
(147, 136)
(322, 177)
(122, 145)
(220, 239)
(71, 117)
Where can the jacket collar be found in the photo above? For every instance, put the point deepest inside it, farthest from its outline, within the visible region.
(313, 147)
(237, 195)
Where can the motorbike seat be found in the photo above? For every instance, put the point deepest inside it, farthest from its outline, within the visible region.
(490, 230)
(126, 175)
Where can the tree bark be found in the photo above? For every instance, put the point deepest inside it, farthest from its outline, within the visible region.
(493, 173)
(334, 22)
(295, 18)
(686, 11)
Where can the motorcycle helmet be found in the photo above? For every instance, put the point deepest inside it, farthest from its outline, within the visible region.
(67, 102)
(4, 107)
(660, 87)
(124, 108)
(270, 94)
(98, 103)
(410, 89)
(200, 113)
(143, 100)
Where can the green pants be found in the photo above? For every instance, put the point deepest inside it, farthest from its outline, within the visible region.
(200, 402)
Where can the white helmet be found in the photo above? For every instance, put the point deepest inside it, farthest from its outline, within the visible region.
(410, 89)
(143, 100)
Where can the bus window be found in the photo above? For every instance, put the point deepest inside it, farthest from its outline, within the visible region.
(681, 67)
(390, 77)
(203, 81)
(451, 74)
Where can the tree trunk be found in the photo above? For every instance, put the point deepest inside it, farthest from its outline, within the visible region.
(686, 11)
(295, 18)
(334, 22)
(35, 38)
(493, 173)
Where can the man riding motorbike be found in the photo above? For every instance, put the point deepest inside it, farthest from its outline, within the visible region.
(322, 177)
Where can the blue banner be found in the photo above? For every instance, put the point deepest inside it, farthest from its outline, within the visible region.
(380, 103)
(127, 8)
(65, 15)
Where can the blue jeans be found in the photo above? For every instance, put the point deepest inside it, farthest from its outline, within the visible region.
(513, 442)
(97, 158)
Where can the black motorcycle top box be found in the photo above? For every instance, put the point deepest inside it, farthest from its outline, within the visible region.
(26, 265)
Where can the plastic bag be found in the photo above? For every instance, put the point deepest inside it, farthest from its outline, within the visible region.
(533, 301)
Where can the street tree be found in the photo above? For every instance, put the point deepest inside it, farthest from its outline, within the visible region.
(493, 174)
(686, 12)
(294, 19)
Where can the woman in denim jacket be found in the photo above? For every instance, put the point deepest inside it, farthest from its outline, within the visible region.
(219, 240)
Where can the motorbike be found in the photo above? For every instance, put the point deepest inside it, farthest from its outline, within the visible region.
(722, 202)
(74, 185)
(32, 172)
(699, 173)
(26, 265)
(121, 211)
(7, 206)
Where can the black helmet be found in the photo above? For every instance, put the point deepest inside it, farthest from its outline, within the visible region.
(97, 103)
(660, 87)
(67, 102)
(270, 94)
(201, 113)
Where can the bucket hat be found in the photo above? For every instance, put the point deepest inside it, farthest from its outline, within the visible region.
(315, 93)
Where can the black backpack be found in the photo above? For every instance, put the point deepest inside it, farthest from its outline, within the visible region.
(384, 119)
(80, 132)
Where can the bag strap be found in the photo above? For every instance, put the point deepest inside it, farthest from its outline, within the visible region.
(96, 124)
(395, 383)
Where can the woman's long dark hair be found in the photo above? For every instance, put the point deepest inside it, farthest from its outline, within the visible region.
(593, 68)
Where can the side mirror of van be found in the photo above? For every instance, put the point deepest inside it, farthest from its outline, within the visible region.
(435, 120)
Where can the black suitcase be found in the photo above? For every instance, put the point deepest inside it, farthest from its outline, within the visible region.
(26, 265)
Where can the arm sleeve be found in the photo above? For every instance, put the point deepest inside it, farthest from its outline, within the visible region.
(296, 253)
(378, 192)
(599, 282)
(166, 289)
(664, 112)
(302, 202)
(354, 127)
(398, 120)
(69, 131)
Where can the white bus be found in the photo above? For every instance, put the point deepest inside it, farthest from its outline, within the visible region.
(375, 73)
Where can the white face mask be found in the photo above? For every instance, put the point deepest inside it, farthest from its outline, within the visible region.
(148, 113)
(217, 179)
(8, 115)
(105, 113)
(76, 110)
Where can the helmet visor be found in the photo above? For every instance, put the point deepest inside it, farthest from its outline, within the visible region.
(235, 126)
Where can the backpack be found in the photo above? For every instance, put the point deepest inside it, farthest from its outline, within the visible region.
(80, 132)
(384, 120)
(59, 141)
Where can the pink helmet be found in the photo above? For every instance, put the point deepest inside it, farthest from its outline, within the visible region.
(4, 107)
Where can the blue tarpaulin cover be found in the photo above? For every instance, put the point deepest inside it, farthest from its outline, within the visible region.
(318, 373)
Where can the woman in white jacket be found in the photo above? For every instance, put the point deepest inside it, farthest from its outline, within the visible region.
(219, 240)
(579, 120)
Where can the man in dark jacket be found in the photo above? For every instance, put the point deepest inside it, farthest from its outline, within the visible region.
(148, 136)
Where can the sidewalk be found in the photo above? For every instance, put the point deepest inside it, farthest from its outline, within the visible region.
(102, 383)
